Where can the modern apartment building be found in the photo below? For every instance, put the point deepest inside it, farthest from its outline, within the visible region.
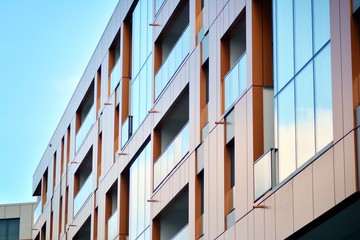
(211, 119)
(16, 221)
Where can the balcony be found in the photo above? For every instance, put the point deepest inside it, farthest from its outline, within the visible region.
(174, 153)
(115, 75)
(85, 127)
(37, 211)
(235, 81)
(113, 226)
(265, 173)
(173, 61)
(183, 234)
(83, 194)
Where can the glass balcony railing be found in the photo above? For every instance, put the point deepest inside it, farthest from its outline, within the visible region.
(37, 211)
(183, 234)
(173, 61)
(115, 75)
(235, 81)
(158, 4)
(126, 130)
(83, 194)
(113, 226)
(265, 173)
(171, 156)
(85, 127)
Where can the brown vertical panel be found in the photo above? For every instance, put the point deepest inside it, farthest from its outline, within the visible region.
(355, 57)
(336, 69)
(284, 225)
(339, 172)
(254, 46)
(350, 164)
(270, 218)
(323, 177)
(303, 198)
(258, 122)
(241, 228)
(249, 45)
(347, 88)
(124, 203)
(241, 165)
(126, 49)
(267, 43)
(220, 179)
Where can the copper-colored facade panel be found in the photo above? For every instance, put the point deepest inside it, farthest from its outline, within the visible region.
(303, 198)
(323, 180)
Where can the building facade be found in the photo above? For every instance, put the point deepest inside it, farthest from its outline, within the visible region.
(201, 119)
(16, 221)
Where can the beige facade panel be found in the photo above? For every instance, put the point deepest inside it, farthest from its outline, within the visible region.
(327, 179)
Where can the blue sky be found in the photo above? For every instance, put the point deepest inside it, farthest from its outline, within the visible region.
(44, 49)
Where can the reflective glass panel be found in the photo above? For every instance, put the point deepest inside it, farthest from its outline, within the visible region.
(321, 23)
(286, 128)
(305, 132)
(323, 98)
(284, 34)
(302, 32)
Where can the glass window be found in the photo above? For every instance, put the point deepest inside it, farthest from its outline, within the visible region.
(286, 128)
(302, 32)
(321, 23)
(9, 229)
(139, 193)
(302, 75)
(323, 99)
(284, 34)
(141, 86)
(305, 132)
